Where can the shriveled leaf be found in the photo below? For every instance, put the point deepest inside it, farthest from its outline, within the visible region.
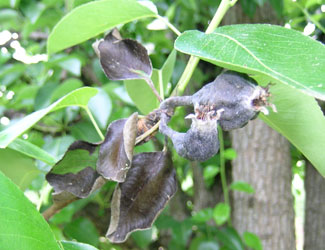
(123, 59)
(22, 226)
(149, 185)
(91, 19)
(76, 173)
(79, 97)
(116, 152)
(285, 55)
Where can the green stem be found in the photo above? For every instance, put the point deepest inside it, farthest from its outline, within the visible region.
(223, 171)
(172, 27)
(193, 61)
(95, 124)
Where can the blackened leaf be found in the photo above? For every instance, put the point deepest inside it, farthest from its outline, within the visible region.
(116, 152)
(123, 59)
(149, 185)
(76, 173)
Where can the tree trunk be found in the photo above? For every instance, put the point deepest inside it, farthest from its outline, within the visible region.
(315, 209)
(263, 160)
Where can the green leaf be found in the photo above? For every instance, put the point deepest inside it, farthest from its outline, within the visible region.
(242, 186)
(32, 150)
(301, 121)
(284, 55)
(210, 171)
(79, 97)
(205, 243)
(83, 230)
(65, 88)
(142, 95)
(18, 167)
(142, 238)
(72, 245)
(203, 215)
(22, 226)
(167, 70)
(101, 107)
(252, 241)
(230, 238)
(230, 154)
(91, 19)
(74, 161)
(221, 213)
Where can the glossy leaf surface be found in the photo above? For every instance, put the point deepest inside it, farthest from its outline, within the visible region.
(93, 18)
(284, 55)
(22, 226)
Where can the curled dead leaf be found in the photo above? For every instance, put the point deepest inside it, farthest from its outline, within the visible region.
(149, 185)
(116, 152)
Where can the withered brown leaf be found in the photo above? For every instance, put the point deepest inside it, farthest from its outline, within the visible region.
(116, 152)
(122, 59)
(149, 185)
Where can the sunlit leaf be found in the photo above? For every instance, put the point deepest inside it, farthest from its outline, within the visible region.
(301, 121)
(91, 19)
(22, 226)
(264, 49)
(116, 152)
(149, 185)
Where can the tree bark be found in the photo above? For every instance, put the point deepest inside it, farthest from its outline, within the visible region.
(315, 209)
(263, 160)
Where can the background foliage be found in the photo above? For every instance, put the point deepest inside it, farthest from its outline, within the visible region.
(47, 102)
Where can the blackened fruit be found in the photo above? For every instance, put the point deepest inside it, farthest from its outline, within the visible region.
(241, 99)
(200, 142)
